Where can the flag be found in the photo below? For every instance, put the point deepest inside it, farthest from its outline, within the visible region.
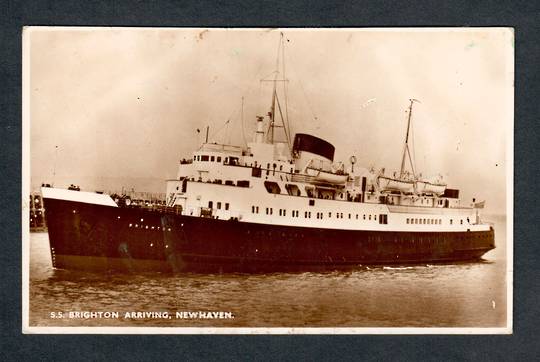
(479, 205)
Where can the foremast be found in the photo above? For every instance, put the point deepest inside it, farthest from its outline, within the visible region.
(406, 149)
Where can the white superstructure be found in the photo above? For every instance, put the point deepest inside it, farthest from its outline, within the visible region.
(259, 185)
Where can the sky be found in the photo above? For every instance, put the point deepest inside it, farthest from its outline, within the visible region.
(119, 107)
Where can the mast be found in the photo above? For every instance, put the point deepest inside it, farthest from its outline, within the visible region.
(406, 150)
(275, 105)
(274, 93)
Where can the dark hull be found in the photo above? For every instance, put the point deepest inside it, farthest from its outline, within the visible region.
(102, 238)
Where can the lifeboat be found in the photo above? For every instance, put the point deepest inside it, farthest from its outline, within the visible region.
(393, 184)
(326, 176)
(426, 187)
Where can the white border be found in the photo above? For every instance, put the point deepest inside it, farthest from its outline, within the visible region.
(25, 169)
(245, 330)
(510, 61)
(241, 330)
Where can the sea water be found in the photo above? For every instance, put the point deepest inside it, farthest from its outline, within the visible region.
(471, 294)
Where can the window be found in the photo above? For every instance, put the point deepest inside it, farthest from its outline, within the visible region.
(451, 221)
(461, 221)
(242, 183)
(311, 202)
(252, 209)
(370, 217)
(219, 159)
(284, 212)
(407, 220)
(292, 190)
(356, 216)
(212, 158)
(305, 214)
(204, 158)
(329, 214)
(272, 187)
(364, 216)
(374, 217)
(219, 205)
(383, 219)
(227, 207)
(210, 204)
(349, 215)
(194, 158)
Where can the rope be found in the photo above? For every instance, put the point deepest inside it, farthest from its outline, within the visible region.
(303, 92)
(284, 128)
(288, 131)
(413, 145)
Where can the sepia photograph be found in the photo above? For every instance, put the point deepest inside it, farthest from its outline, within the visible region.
(267, 181)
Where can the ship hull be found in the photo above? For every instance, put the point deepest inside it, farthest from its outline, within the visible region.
(103, 238)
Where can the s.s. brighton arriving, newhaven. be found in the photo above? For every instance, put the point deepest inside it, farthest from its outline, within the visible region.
(273, 205)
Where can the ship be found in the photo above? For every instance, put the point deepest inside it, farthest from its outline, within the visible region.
(271, 205)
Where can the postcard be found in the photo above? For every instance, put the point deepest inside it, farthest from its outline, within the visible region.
(267, 181)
